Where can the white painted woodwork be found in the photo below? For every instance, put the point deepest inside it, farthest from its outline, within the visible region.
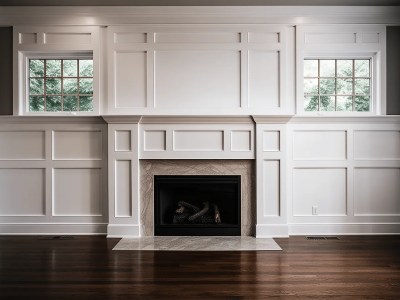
(77, 192)
(190, 140)
(196, 79)
(323, 188)
(123, 188)
(123, 140)
(377, 191)
(77, 145)
(197, 37)
(52, 175)
(130, 79)
(154, 140)
(383, 145)
(319, 145)
(264, 78)
(241, 140)
(22, 192)
(19, 145)
(27, 38)
(130, 37)
(271, 178)
(271, 140)
(264, 37)
(67, 38)
(330, 38)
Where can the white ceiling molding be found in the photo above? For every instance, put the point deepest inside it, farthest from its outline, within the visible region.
(118, 15)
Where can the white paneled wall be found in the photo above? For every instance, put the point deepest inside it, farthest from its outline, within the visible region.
(344, 176)
(198, 69)
(52, 176)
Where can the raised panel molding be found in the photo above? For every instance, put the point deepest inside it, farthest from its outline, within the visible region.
(272, 187)
(196, 140)
(123, 142)
(22, 145)
(154, 140)
(377, 144)
(123, 188)
(319, 145)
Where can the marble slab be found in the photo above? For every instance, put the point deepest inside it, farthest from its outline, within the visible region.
(197, 243)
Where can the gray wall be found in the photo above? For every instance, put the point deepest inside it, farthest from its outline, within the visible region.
(6, 71)
(393, 70)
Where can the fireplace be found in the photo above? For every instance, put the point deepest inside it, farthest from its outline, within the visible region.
(197, 205)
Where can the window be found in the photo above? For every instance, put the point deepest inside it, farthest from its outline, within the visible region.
(337, 85)
(60, 85)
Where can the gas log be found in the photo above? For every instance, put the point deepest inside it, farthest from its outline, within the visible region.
(187, 213)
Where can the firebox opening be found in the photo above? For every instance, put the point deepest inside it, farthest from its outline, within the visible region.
(197, 205)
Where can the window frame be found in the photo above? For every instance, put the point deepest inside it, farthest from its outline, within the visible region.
(24, 78)
(374, 87)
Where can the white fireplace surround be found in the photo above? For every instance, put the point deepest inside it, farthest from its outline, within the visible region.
(204, 84)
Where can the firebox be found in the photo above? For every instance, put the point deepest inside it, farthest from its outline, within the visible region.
(197, 205)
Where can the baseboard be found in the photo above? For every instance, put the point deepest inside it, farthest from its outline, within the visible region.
(272, 230)
(53, 229)
(344, 229)
(123, 230)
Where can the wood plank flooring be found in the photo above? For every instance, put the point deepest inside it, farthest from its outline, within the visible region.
(85, 267)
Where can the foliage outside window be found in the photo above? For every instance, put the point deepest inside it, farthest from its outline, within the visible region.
(60, 85)
(337, 85)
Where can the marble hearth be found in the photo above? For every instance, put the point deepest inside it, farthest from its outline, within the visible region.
(244, 168)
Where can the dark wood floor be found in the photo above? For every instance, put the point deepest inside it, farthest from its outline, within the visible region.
(86, 268)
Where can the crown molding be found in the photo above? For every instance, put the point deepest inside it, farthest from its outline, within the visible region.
(119, 15)
(50, 120)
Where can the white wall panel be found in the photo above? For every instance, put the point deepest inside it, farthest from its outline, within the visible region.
(130, 79)
(197, 79)
(191, 140)
(17, 145)
(241, 140)
(129, 37)
(77, 192)
(154, 140)
(319, 145)
(27, 38)
(22, 192)
(324, 189)
(123, 140)
(331, 38)
(197, 37)
(271, 188)
(77, 145)
(271, 140)
(68, 38)
(264, 37)
(370, 38)
(377, 145)
(264, 83)
(377, 191)
(123, 188)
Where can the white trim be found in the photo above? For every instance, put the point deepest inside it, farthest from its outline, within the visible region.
(122, 230)
(344, 229)
(272, 231)
(53, 229)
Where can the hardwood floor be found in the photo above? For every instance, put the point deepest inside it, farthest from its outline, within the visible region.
(86, 268)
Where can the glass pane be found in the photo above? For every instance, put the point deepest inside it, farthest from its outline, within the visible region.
(344, 68)
(36, 86)
(70, 86)
(36, 68)
(327, 103)
(344, 103)
(310, 68)
(53, 103)
(311, 86)
(86, 68)
(86, 86)
(36, 103)
(362, 86)
(70, 68)
(327, 86)
(86, 103)
(311, 103)
(361, 103)
(53, 68)
(344, 86)
(361, 68)
(70, 103)
(53, 86)
(327, 68)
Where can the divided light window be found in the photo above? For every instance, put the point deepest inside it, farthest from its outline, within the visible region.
(57, 85)
(337, 85)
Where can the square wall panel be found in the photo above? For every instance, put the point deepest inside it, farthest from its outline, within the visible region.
(22, 192)
(271, 141)
(322, 188)
(377, 191)
(377, 144)
(77, 192)
(123, 140)
(22, 145)
(241, 140)
(154, 140)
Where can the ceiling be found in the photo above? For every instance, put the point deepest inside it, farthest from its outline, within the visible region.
(199, 2)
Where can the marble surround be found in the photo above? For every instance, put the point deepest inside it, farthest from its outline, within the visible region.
(198, 243)
(244, 168)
